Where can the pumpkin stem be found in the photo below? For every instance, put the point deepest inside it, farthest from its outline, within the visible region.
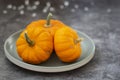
(78, 40)
(28, 40)
(48, 19)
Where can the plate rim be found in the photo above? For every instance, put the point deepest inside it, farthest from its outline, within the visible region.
(49, 69)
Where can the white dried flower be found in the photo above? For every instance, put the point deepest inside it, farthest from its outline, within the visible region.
(9, 6)
(66, 3)
(61, 6)
(21, 12)
(14, 8)
(48, 4)
(52, 9)
(4, 11)
(34, 15)
(34, 7)
(86, 8)
(37, 3)
(21, 7)
(45, 10)
(109, 10)
(76, 6)
(26, 2)
(72, 10)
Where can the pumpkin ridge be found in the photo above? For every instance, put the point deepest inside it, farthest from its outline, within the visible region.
(42, 51)
(68, 47)
(38, 56)
(27, 55)
(21, 40)
(72, 53)
(32, 59)
(20, 53)
(39, 52)
(46, 40)
(23, 54)
(48, 51)
(42, 31)
(21, 44)
(72, 57)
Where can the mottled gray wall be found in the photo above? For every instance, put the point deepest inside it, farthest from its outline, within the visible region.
(100, 19)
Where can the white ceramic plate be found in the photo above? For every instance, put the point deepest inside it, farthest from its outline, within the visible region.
(53, 64)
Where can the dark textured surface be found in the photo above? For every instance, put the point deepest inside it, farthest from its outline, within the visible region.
(101, 21)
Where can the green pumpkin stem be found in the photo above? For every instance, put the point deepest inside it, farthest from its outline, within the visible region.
(28, 40)
(48, 19)
(78, 40)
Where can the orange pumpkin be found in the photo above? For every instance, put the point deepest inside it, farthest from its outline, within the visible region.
(67, 44)
(50, 25)
(34, 45)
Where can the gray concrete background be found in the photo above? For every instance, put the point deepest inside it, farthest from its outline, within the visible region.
(100, 19)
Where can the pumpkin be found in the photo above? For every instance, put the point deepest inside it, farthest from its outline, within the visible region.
(49, 24)
(34, 45)
(67, 44)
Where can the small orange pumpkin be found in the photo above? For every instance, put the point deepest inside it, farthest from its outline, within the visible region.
(67, 44)
(50, 25)
(34, 45)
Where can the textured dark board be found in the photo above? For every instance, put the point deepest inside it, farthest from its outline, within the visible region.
(102, 26)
